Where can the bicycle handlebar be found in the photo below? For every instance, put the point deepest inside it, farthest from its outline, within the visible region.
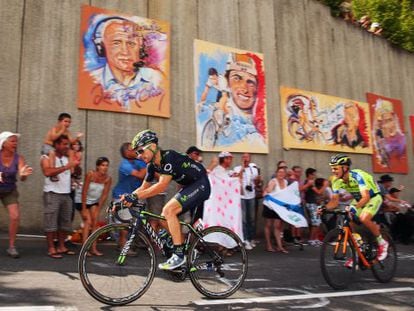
(324, 210)
(119, 207)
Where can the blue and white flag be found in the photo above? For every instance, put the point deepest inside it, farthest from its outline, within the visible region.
(286, 203)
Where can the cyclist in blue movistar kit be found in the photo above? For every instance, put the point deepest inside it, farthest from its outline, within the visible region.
(367, 197)
(170, 165)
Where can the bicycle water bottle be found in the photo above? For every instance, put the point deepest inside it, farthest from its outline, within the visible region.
(166, 239)
(359, 240)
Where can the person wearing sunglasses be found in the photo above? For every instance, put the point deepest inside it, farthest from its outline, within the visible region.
(170, 165)
(194, 153)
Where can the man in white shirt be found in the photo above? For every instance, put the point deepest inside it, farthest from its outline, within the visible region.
(223, 169)
(249, 173)
(56, 196)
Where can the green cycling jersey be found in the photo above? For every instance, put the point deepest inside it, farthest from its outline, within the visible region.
(359, 181)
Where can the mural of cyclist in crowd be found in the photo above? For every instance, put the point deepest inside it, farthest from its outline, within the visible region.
(124, 63)
(230, 99)
(321, 122)
(390, 147)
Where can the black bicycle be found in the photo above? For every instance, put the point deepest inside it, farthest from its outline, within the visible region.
(216, 258)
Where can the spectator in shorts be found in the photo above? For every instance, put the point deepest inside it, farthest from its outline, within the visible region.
(56, 195)
(311, 203)
(273, 222)
(11, 164)
(94, 194)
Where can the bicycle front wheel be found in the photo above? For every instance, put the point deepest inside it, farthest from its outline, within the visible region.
(384, 270)
(209, 135)
(335, 259)
(111, 278)
(217, 262)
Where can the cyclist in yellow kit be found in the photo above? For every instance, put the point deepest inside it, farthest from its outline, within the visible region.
(367, 198)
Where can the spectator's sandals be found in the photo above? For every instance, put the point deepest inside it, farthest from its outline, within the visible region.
(55, 255)
(66, 252)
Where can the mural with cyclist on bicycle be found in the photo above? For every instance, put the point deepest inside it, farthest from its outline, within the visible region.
(320, 122)
(230, 99)
(124, 63)
(390, 147)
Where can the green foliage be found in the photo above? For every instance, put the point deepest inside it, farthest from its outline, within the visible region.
(334, 5)
(396, 18)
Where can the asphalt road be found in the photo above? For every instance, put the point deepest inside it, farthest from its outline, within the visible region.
(275, 281)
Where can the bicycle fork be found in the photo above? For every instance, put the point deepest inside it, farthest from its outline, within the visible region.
(127, 246)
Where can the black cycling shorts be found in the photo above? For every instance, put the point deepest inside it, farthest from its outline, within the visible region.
(193, 195)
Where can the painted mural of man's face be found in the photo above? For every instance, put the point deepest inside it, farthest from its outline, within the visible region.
(122, 43)
(243, 89)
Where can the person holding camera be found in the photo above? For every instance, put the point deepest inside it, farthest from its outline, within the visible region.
(249, 173)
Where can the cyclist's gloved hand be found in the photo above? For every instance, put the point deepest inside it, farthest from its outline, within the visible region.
(130, 199)
(351, 209)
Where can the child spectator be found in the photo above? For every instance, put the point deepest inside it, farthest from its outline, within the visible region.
(60, 128)
(76, 177)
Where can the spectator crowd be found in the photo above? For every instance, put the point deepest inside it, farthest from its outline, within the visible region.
(66, 189)
(365, 22)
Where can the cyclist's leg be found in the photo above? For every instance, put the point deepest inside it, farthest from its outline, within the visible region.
(170, 212)
(187, 198)
(366, 215)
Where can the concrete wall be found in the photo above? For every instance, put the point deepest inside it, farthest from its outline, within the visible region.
(303, 46)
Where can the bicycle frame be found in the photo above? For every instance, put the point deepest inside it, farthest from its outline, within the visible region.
(347, 230)
(141, 218)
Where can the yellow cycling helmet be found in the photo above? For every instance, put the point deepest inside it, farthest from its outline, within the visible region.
(340, 159)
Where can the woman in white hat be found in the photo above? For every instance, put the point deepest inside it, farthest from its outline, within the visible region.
(11, 164)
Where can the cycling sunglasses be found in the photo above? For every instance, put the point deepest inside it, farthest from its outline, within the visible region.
(141, 150)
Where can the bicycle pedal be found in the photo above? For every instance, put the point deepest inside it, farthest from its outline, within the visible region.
(179, 270)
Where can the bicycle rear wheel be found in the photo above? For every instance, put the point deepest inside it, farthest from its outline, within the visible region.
(334, 254)
(384, 270)
(217, 262)
(111, 278)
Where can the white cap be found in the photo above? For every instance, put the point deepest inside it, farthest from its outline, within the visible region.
(4, 136)
(241, 62)
(225, 154)
(374, 25)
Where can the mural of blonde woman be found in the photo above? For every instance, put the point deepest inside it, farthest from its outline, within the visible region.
(389, 140)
